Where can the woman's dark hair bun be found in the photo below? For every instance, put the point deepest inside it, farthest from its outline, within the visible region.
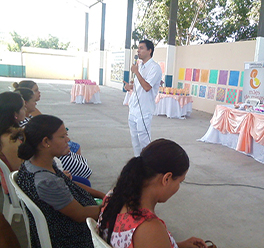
(26, 151)
(15, 85)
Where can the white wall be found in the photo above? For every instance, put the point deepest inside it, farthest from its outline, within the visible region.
(52, 64)
(219, 56)
(10, 58)
(58, 64)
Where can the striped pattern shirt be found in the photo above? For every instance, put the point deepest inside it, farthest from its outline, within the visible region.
(76, 164)
(25, 121)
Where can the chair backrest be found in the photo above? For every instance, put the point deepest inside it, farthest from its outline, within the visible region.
(40, 220)
(11, 205)
(253, 101)
(97, 240)
(10, 187)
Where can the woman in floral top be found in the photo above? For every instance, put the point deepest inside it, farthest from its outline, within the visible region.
(128, 217)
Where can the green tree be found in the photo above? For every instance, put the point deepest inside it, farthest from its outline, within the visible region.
(152, 21)
(19, 42)
(52, 42)
(237, 21)
(198, 20)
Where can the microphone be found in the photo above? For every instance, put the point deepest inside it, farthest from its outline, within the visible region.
(134, 63)
(135, 59)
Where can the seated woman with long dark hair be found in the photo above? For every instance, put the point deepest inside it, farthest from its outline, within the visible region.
(76, 164)
(128, 217)
(12, 111)
(30, 84)
(64, 204)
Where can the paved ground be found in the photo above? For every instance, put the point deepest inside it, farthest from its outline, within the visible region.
(231, 216)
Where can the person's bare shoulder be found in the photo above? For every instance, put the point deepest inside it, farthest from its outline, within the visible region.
(151, 233)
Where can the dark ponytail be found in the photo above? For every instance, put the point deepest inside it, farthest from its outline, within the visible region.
(127, 191)
(159, 157)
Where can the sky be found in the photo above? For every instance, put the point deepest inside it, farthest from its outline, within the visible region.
(64, 19)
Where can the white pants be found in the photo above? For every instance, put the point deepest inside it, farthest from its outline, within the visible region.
(140, 132)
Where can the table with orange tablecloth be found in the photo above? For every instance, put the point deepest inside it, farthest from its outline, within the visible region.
(85, 93)
(173, 106)
(237, 129)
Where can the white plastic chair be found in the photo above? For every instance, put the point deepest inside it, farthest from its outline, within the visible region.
(252, 101)
(97, 240)
(13, 207)
(40, 220)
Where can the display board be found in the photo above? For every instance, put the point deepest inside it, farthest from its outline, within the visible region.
(253, 86)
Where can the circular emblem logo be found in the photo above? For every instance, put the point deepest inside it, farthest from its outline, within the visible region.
(254, 81)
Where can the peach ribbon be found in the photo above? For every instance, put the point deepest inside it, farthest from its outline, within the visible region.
(183, 100)
(84, 90)
(247, 124)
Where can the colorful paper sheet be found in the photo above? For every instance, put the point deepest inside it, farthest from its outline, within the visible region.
(213, 76)
(239, 98)
(188, 74)
(180, 85)
(194, 89)
(233, 78)
(220, 94)
(211, 93)
(187, 86)
(231, 96)
(223, 77)
(162, 66)
(242, 79)
(202, 91)
(204, 76)
(181, 74)
(196, 75)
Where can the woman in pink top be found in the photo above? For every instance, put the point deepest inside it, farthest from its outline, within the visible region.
(128, 217)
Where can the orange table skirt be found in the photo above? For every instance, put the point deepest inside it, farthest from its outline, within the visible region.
(248, 125)
(85, 90)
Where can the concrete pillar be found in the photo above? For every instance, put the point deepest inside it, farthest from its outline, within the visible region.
(171, 49)
(102, 46)
(85, 57)
(261, 20)
(128, 41)
(259, 50)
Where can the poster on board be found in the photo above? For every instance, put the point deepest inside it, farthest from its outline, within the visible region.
(117, 66)
(253, 86)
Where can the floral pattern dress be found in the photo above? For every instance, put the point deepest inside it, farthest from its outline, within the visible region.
(125, 227)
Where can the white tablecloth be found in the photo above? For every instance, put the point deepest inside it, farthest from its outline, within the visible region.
(230, 140)
(171, 108)
(168, 106)
(95, 99)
